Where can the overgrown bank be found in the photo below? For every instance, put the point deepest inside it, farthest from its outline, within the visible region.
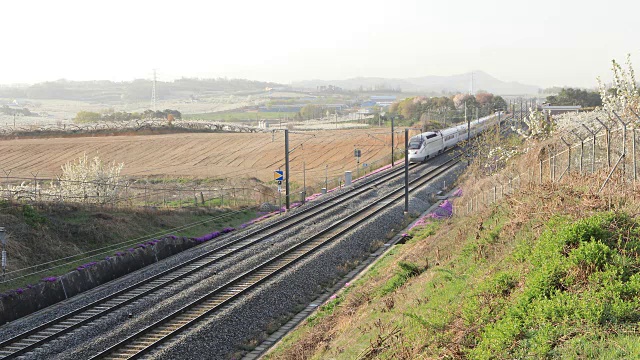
(514, 281)
(51, 239)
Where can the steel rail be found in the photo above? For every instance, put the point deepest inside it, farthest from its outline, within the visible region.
(37, 336)
(162, 330)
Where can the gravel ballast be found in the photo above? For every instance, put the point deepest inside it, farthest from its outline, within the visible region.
(244, 319)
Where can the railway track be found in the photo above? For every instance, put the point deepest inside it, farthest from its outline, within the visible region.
(157, 334)
(40, 335)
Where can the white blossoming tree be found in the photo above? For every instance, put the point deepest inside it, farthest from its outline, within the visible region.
(85, 180)
(623, 96)
(540, 125)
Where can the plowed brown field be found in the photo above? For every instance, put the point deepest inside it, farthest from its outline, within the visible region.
(203, 155)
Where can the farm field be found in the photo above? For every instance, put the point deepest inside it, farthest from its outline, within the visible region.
(240, 116)
(202, 155)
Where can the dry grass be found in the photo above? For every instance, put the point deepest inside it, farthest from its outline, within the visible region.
(408, 323)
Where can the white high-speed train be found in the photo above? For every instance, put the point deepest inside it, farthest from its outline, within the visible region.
(432, 143)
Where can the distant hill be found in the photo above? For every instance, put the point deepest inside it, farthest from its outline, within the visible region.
(429, 84)
(136, 90)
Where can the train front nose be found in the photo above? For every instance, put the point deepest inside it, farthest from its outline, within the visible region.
(413, 156)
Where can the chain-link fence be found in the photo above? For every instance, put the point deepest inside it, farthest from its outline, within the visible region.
(601, 154)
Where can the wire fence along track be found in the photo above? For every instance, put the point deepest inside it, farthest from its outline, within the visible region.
(224, 191)
(158, 333)
(612, 152)
(38, 336)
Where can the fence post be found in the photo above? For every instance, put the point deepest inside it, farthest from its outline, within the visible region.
(633, 149)
(581, 147)
(624, 144)
(608, 138)
(593, 148)
(35, 185)
(568, 168)
(540, 171)
(635, 173)
(495, 191)
(549, 159)
(555, 154)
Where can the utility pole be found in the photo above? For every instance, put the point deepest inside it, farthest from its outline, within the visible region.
(469, 138)
(521, 112)
(286, 168)
(304, 182)
(3, 239)
(406, 171)
(153, 91)
(465, 110)
(392, 142)
(498, 128)
(326, 182)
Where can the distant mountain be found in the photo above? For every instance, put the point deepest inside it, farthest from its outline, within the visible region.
(430, 84)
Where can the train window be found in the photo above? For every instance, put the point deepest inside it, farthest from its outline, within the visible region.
(431, 136)
(415, 144)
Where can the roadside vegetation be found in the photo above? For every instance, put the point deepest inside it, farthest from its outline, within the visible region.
(524, 278)
(75, 234)
(551, 271)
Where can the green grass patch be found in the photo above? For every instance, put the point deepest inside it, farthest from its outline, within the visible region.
(583, 281)
(404, 272)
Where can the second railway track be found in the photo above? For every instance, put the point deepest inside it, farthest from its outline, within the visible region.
(38, 336)
(156, 334)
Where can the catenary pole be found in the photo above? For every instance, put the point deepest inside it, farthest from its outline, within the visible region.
(286, 162)
(406, 171)
(392, 142)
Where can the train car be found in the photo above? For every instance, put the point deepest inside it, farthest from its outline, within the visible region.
(449, 138)
(462, 132)
(430, 144)
(425, 146)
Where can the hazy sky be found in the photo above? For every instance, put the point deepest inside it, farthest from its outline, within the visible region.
(542, 43)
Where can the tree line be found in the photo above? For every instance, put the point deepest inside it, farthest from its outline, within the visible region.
(6, 110)
(447, 107)
(110, 115)
(571, 96)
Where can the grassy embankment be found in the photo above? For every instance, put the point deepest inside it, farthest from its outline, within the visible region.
(553, 271)
(51, 232)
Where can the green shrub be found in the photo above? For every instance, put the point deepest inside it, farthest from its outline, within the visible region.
(584, 275)
(32, 217)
